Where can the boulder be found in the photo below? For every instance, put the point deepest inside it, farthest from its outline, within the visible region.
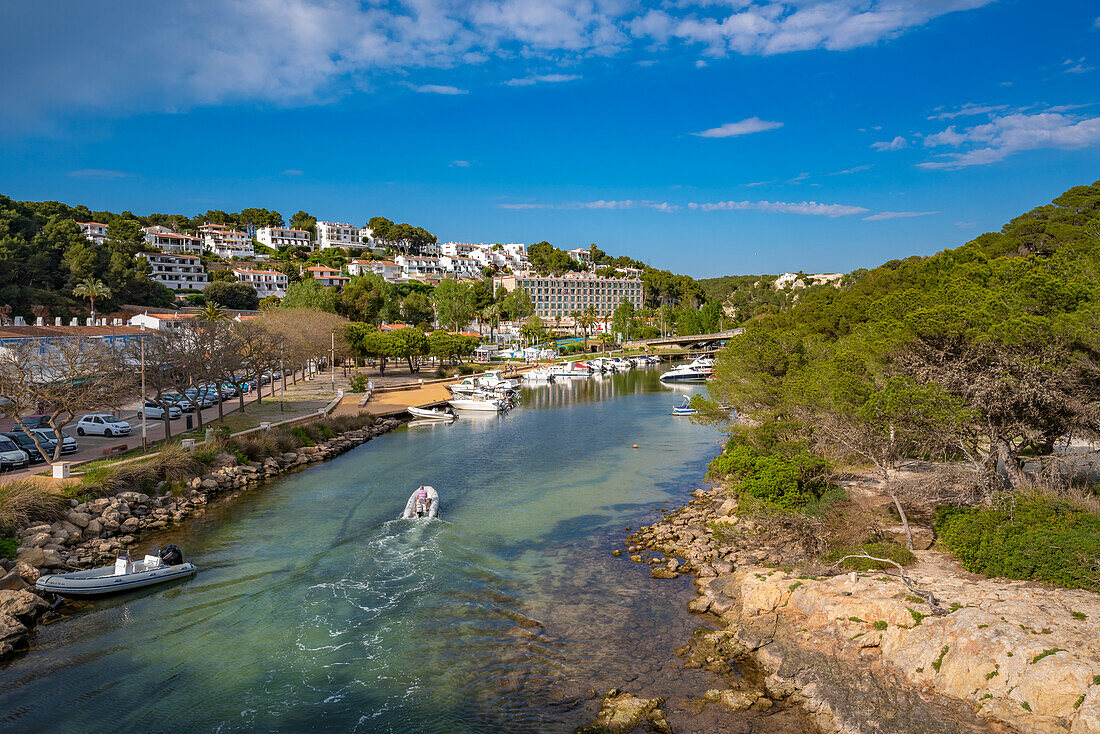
(733, 699)
(52, 559)
(21, 604)
(79, 519)
(12, 580)
(12, 634)
(26, 571)
(32, 557)
(37, 540)
(622, 712)
(94, 529)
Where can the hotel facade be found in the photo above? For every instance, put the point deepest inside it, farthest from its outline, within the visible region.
(557, 297)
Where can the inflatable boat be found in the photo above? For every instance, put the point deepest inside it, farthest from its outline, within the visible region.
(124, 575)
(412, 512)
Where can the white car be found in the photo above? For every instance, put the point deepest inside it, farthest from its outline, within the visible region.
(102, 424)
(155, 412)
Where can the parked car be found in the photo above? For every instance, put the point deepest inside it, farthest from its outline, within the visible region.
(152, 411)
(32, 421)
(26, 443)
(102, 424)
(11, 456)
(68, 443)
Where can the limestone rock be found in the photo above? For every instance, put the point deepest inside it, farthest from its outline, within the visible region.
(12, 580)
(734, 699)
(27, 571)
(32, 557)
(21, 604)
(622, 712)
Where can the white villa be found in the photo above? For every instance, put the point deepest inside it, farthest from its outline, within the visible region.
(166, 240)
(94, 231)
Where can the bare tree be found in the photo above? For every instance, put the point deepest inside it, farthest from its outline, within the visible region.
(60, 378)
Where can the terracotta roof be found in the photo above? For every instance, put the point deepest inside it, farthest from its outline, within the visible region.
(97, 224)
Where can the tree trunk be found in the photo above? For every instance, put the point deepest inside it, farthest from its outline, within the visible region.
(901, 511)
(1016, 475)
(221, 410)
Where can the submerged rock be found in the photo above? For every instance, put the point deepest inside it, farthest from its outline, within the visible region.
(621, 713)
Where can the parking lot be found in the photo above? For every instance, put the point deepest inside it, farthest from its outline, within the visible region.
(96, 447)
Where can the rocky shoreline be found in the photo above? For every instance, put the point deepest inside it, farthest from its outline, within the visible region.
(858, 651)
(91, 533)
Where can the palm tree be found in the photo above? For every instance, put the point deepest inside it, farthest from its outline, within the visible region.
(212, 312)
(92, 288)
(588, 320)
(576, 316)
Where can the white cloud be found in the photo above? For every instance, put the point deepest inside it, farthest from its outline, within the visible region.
(783, 207)
(542, 78)
(780, 26)
(460, 164)
(292, 172)
(896, 144)
(102, 174)
(700, 64)
(599, 204)
(882, 216)
(966, 225)
(854, 169)
(760, 183)
(745, 127)
(181, 55)
(798, 179)
(440, 89)
(1013, 133)
(967, 109)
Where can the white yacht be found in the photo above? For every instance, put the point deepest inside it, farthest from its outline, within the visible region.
(698, 371)
(571, 369)
(478, 401)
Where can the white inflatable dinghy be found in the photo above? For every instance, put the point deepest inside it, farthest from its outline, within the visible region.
(124, 575)
(413, 512)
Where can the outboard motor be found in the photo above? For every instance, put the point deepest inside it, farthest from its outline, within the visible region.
(171, 555)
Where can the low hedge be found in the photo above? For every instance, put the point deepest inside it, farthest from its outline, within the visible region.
(893, 551)
(1032, 537)
(784, 482)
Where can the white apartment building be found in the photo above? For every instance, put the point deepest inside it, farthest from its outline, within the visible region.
(419, 266)
(338, 234)
(557, 297)
(266, 282)
(326, 276)
(176, 271)
(94, 231)
(276, 237)
(162, 321)
(165, 239)
(460, 267)
(226, 242)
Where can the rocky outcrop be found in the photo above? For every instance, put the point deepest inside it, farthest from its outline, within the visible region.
(621, 713)
(93, 532)
(863, 654)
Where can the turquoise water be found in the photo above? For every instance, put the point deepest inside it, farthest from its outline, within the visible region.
(316, 609)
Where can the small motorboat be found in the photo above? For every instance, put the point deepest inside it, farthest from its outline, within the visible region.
(685, 408)
(124, 575)
(479, 401)
(438, 414)
(415, 508)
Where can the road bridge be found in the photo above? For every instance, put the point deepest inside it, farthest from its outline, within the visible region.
(693, 341)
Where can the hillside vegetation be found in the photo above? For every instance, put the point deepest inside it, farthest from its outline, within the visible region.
(987, 354)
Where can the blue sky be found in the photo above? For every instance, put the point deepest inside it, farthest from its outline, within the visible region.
(709, 137)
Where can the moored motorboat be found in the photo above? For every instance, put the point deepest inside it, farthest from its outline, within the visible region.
(698, 371)
(685, 408)
(423, 502)
(540, 374)
(478, 402)
(123, 575)
(439, 414)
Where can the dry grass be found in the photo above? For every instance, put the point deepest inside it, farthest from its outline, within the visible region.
(24, 503)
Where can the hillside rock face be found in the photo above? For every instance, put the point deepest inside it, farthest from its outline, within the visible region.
(860, 651)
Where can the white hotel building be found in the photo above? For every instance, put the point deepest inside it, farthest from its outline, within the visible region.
(339, 234)
(557, 297)
(166, 240)
(266, 282)
(276, 237)
(176, 271)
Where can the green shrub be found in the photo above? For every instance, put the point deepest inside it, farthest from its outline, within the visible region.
(7, 547)
(358, 383)
(303, 437)
(1033, 537)
(206, 453)
(893, 551)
